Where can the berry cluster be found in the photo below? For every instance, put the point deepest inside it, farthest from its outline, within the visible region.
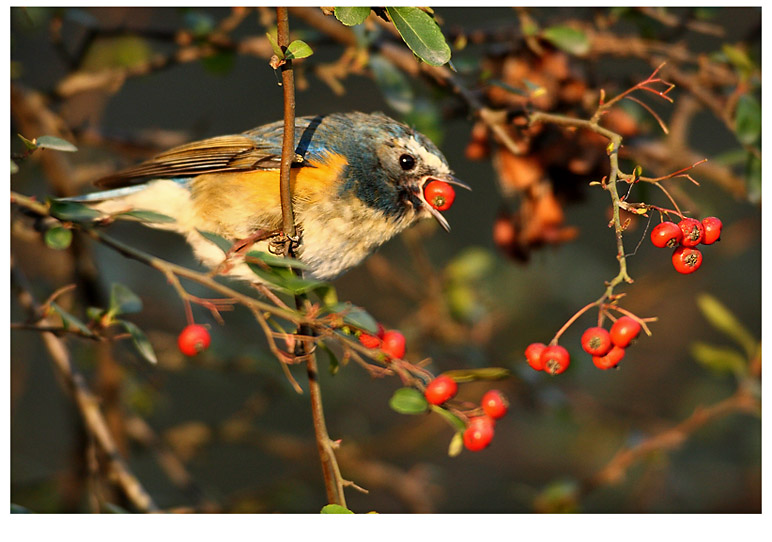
(392, 342)
(684, 237)
(607, 348)
(479, 430)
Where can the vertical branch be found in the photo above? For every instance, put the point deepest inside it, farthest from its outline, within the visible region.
(333, 481)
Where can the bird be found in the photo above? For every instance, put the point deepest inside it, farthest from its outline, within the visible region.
(356, 179)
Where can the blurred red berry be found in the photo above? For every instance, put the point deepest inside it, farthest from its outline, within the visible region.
(393, 343)
(533, 355)
(610, 360)
(687, 260)
(479, 433)
(440, 389)
(369, 341)
(712, 226)
(624, 331)
(556, 359)
(494, 404)
(596, 341)
(193, 339)
(666, 234)
(693, 232)
(439, 195)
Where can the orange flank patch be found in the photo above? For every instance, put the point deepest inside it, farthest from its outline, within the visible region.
(235, 202)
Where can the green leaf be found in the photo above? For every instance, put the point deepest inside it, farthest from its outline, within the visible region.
(421, 34)
(507, 87)
(753, 178)
(454, 421)
(393, 84)
(335, 509)
(286, 279)
(724, 321)
(123, 300)
(277, 261)
(485, 373)
(328, 295)
(298, 49)
(739, 59)
(333, 359)
(352, 15)
(70, 321)
(408, 401)
(145, 216)
(571, 40)
(140, 340)
(14, 167)
(747, 120)
(220, 63)
(456, 444)
(275, 45)
(719, 359)
(356, 317)
(55, 144)
(472, 264)
(58, 238)
(31, 145)
(72, 211)
(222, 243)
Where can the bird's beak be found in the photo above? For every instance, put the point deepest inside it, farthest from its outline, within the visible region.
(450, 179)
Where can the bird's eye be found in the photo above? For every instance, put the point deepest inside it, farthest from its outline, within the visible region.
(407, 162)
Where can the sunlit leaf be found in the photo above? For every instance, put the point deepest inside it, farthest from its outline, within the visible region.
(421, 34)
(394, 85)
(721, 318)
(571, 40)
(335, 509)
(140, 341)
(455, 422)
(352, 15)
(456, 444)
(298, 49)
(408, 401)
(14, 167)
(55, 143)
(58, 238)
(719, 359)
(31, 145)
(485, 373)
(274, 44)
(739, 59)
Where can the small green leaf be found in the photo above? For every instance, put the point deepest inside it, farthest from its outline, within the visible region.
(72, 211)
(456, 444)
(356, 317)
(275, 45)
(70, 321)
(485, 373)
(739, 59)
(421, 34)
(146, 216)
(472, 264)
(285, 279)
(747, 119)
(328, 295)
(507, 87)
(277, 261)
(140, 340)
(333, 359)
(31, 145)
(571, 40)
(393, 84)
(222, 243)
(724, 321)
(408, 401)
(58, 238)
(55, 144)
(719, 359)
(14, 167)
(454, 421)
(298, 49)
(335, 509)
(352, 15)
(123, 300)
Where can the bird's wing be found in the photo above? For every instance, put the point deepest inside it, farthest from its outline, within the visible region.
(217, 154)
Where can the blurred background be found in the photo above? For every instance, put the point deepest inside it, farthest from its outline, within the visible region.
(225, 431)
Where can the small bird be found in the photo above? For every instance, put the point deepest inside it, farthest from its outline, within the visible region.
(357, 180)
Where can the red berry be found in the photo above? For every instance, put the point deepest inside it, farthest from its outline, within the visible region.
(494, 404)
(533, 355)
(693, 232)
(556, 359)
(624, 331)
(439, 195)
(666, 234)
(610, 360)
(479, 433)
(193, 339)
(440, 390)
(369, 341)
(712, 226)
(687, 260)
(394, 343)
(596, 341)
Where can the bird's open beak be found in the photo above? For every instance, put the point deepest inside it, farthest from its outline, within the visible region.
(450, 179)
